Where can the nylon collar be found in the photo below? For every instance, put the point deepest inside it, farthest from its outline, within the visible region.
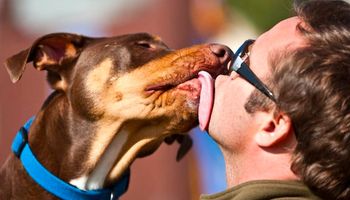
(52, 183)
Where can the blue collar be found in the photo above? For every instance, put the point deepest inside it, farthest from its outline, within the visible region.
(53, 184)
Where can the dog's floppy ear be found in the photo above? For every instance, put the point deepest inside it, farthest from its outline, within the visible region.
(49, 52)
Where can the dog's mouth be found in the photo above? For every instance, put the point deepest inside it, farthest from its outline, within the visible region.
(199, 90)
(189, 82)
(182, 73)
(186, 84)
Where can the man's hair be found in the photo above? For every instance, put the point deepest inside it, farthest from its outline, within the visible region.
(312, 86)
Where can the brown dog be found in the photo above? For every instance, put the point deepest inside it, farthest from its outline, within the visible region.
(115, 99)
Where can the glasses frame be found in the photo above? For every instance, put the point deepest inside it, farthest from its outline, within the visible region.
(243, 69)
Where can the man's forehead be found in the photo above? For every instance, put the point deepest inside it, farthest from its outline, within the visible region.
(289, 22)
(284, 35)
(286, 32)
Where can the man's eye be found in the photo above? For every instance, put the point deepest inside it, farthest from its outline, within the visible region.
(246, 53)
(245, 56)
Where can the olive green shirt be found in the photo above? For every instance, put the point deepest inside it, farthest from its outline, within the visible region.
(265, 190)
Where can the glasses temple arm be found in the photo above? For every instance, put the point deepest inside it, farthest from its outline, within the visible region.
(247, 74)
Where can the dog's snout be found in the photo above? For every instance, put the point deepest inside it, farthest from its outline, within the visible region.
(222, 52)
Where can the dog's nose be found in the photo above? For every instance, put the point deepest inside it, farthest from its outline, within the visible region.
(222, 52)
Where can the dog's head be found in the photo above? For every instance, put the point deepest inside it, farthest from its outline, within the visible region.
(133, 83)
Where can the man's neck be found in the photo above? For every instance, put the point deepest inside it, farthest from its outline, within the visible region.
(266, 166)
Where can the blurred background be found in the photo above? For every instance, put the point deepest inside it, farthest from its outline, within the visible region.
(179, 23)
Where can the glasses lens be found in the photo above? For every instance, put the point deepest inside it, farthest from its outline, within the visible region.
(244, 54)
(244, 51)
(241, 56)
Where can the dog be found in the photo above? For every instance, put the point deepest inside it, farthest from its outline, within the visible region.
(114, 100)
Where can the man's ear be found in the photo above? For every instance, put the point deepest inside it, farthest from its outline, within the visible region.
(53, 52)
(274, 128)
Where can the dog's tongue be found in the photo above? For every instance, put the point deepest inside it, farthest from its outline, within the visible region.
(206, 99)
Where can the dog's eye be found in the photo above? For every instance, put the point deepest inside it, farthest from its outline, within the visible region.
(145, 44)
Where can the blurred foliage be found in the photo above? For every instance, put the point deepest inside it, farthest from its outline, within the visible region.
(263, 13)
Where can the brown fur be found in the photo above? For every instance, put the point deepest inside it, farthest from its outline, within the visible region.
(105, 88)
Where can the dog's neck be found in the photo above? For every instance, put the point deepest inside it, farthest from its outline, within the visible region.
(72, 148)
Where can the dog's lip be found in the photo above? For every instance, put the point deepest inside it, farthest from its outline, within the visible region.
(169, 84)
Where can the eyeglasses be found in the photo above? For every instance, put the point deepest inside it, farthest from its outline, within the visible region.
(239, 65)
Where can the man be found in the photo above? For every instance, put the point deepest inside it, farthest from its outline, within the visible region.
(289, 139)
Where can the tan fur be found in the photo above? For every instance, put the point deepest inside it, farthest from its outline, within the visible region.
(70, 50)
(104, 135)
(96, 79)
(45, 60)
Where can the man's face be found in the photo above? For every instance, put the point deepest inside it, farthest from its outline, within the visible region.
(230, 125)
